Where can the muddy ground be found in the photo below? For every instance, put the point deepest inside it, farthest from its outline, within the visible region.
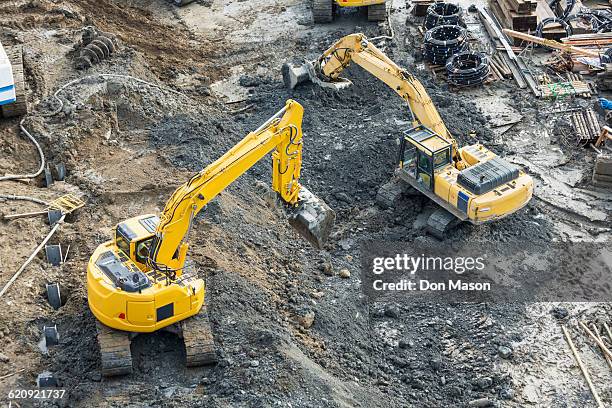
(127, 145)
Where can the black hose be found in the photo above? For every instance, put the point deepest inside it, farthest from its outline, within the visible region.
(467, 68)
(539, 32)
(443, 41)
(606, 57)
(566, 11)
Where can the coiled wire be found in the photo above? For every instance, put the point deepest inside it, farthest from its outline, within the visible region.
(442, 14)
(467, 68)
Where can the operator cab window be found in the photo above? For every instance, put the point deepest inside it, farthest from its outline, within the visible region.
(123, 243)
(424, 162)
(142, 250)
(441, 159)
(409, 159)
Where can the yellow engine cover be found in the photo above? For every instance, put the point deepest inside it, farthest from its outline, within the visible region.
(358, 3)
(500, 202)
(153, 307)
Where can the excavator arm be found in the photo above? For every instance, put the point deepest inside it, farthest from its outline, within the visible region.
(281, 134)
(356, 48)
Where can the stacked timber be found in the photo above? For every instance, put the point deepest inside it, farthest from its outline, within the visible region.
(518, 15)
(525, 15)
(597, 43)
(602, 174)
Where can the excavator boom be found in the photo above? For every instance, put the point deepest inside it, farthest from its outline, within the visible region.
(282, 134)
(356, 48)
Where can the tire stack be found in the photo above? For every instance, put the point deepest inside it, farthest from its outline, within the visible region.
(467, 68)
(442, 14)
(442, 42)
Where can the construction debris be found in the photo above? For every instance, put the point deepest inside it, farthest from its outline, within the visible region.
(552, 43)
(521, 74)
(9, 217)
(583, 368)
(586, 126)
(606, 134)
(31, 257)
(96, 46)
(602, 174)
(563, 89)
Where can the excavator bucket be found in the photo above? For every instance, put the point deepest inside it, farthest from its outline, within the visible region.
(312, 218)
(293, 75)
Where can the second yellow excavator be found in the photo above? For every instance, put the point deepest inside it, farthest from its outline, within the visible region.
(323, 10)
(138, 282)
(470, 183)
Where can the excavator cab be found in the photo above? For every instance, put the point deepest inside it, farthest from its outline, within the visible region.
(422, 153)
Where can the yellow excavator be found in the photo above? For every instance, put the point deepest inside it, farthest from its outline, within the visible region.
(323, 10)
(139, 282)
(470, 183)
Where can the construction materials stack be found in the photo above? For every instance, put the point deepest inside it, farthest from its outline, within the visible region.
(519, 15)
(444, 41)
(467, 68)
(442, 14)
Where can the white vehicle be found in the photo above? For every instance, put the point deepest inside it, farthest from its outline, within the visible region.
(12, 86)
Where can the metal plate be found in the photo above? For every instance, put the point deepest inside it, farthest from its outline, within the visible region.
(54, 254)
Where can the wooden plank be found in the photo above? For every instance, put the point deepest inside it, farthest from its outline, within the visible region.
(523, 6)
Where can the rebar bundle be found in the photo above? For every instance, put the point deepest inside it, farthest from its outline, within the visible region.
(442, 42)
(467, 68)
